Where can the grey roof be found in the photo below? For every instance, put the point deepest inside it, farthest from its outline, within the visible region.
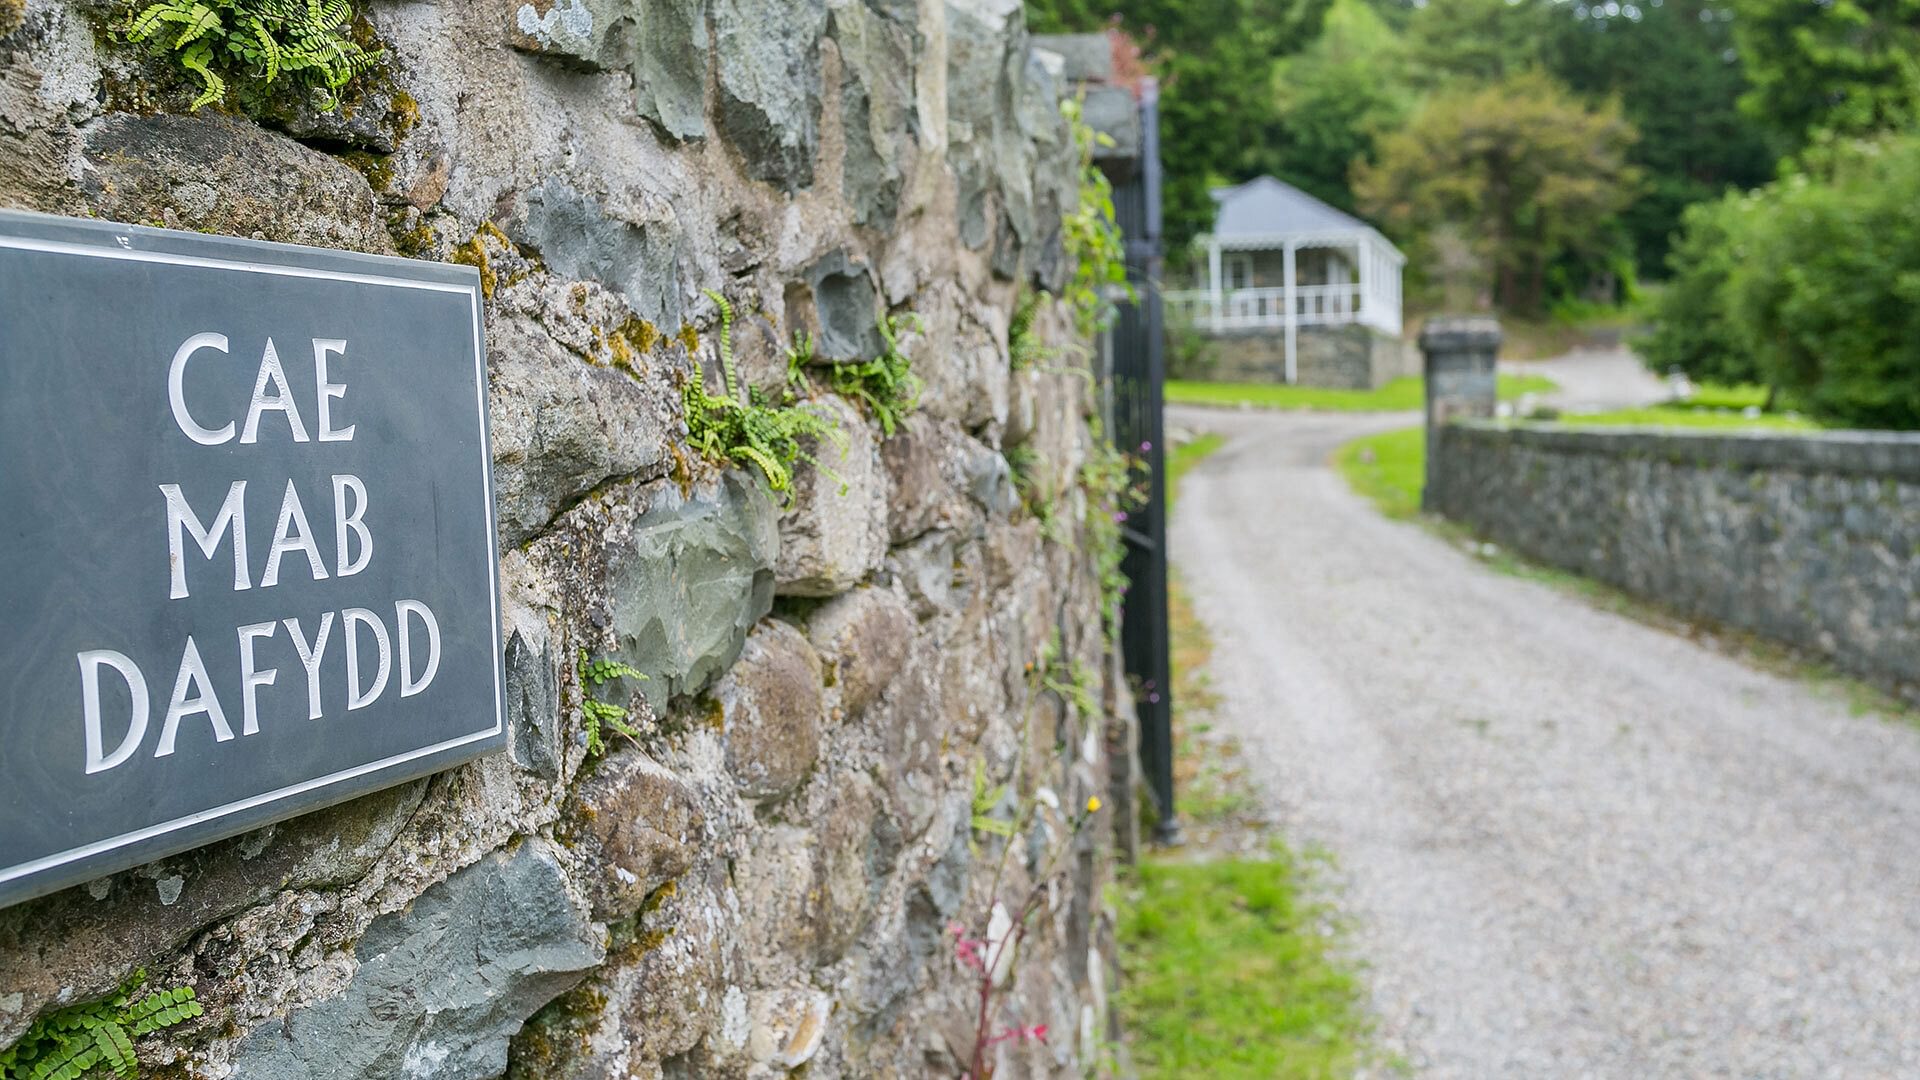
(1264, 208)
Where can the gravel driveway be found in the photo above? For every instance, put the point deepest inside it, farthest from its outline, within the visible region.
(1574, 845)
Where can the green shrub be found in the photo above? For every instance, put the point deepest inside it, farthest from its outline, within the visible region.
(1826, 286)
(1692, 332)
(1810, 286)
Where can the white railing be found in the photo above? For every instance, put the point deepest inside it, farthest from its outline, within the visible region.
(1252, 309)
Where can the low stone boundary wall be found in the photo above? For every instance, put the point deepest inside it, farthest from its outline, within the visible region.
(1812, 540)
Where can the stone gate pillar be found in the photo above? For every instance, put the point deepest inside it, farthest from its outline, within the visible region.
(1459, 364)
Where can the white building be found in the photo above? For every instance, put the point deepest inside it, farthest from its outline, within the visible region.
(1280, 261)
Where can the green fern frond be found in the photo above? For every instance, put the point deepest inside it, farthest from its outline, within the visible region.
(264, 41)
(147, 22)
(740, 427)
(214, 88)
(727, 376)
(597, 714)
(75, 1041)
(886, 384)
(779, 478)
(200, 21)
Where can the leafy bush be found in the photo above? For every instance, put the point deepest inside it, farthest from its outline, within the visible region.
(1811, 286)
(1692, 332)
(1827, 287)
(257, 40)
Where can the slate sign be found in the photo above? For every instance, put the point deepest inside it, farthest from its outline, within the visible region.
(247, 559)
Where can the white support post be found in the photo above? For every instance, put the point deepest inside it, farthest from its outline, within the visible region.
(1293, 317)
(1363, 260)
(1215, 294)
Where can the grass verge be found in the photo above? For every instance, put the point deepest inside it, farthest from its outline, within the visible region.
(1390, 468)
(1185, 456)
(1396, 396)
(1231, 972)
(1232, 957)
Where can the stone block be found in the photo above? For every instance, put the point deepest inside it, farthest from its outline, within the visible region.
(533, 707)
(845, 309)
(638, 825)
(579, 31)
(219, 174)
(561, 426)
(864, 636)
(835, 533)
(442, 986)
(876, 107)
(773, 707)
(686, 578)
(670, 50)
(912, 459)
(581, 238)
(768, 72)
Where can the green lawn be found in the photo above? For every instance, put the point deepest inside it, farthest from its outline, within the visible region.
(1389, 468)
(1396, 396)
(1713, 405)
(1691, 415)
(1230, 971)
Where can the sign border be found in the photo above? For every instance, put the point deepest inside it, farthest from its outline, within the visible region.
(136, 243)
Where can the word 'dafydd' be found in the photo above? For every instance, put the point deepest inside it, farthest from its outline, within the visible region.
(248, 563)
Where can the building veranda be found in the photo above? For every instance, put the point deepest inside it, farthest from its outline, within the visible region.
(1294, 290)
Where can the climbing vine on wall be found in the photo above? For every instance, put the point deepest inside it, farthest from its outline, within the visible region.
(1091, 236)
(78, 1040)
(1115, 484)
(257, 43)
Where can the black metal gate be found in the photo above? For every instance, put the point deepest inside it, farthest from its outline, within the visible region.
(1137, 353)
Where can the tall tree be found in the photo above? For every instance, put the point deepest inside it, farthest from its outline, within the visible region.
(1849, 67)
(1336, 97)
(1679, 82)
(1521, 169)
(1450, 42)
(1218, 121)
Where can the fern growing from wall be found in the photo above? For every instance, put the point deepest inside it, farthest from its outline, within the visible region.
(596, 714)
(257, 43)
(740, 427)
(885, 385)
(81, 1039)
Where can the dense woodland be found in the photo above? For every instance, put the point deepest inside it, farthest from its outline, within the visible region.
(1748, 171)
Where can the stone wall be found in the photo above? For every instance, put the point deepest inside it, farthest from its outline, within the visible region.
(1340, 357)
(771, 877)
(1812, 540)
